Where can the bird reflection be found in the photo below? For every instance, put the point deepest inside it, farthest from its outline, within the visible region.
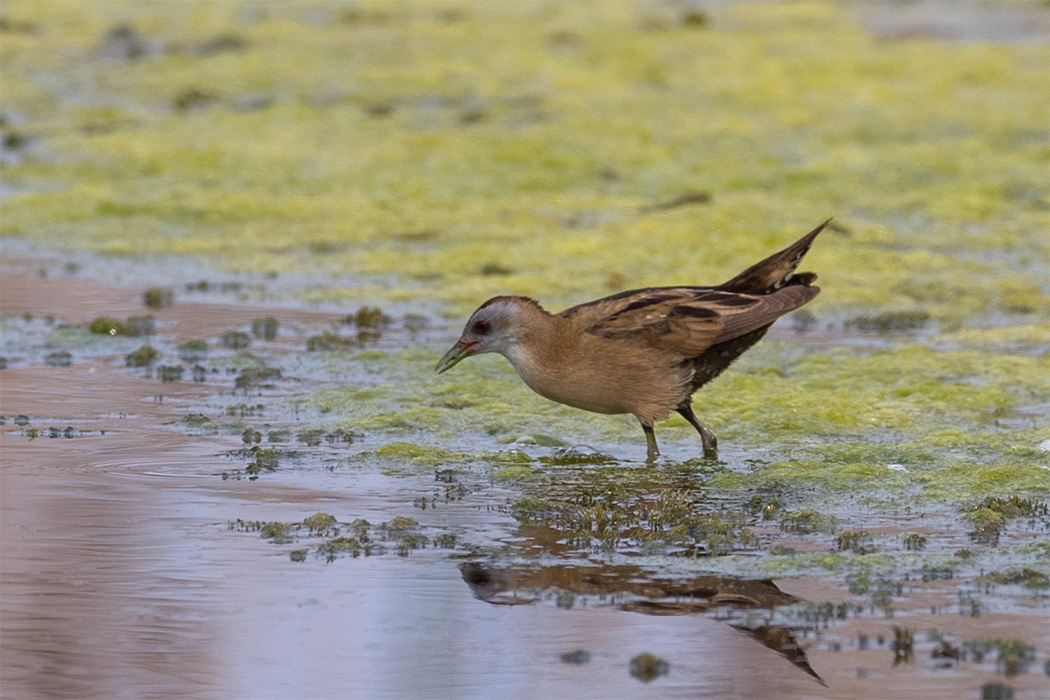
(633, 589)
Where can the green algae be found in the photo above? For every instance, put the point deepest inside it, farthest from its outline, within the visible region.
(368, 317)
(858, 541)
(996, 691)
(132, 327)
(257, 377)
(143, 357)
(235, 340)
(1009, 508)
(545, 161)
(911, 406)
(416, 454)
(404, 533)
(193, 350)
(669, 519)
(990, 516)
(806, 521)
(517, 473)
(328, 341)
(333, 436)
(321, 524)
(1012, 656)
(265, 328)
(1029, 578)
(913, 541)
(263, 460)
(277, 533)
(158, 297)
(958, 439)
(648, 667)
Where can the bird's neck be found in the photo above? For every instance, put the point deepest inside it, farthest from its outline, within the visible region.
(539, 344)
(542, 349)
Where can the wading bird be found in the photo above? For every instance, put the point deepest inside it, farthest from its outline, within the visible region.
(645, 351)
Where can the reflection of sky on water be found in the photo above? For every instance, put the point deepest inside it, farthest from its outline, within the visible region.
(125, 585)
(406, 628)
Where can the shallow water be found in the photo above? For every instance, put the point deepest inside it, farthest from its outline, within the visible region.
(123, 574)
(121, 579)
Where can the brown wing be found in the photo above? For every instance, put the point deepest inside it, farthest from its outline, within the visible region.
(742, 320)
(592, 312)
(684, 321)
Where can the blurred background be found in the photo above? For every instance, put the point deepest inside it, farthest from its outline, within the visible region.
(450, 151)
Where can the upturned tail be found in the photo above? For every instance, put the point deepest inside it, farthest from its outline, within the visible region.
(776, 271)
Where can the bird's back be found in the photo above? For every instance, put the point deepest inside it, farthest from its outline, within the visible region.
(702, 329)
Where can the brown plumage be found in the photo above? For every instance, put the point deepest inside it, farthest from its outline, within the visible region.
(644, 351)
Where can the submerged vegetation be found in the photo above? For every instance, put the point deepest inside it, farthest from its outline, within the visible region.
(133, 326)
(331, 539)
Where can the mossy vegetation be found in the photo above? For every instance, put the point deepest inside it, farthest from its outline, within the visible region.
(193, 351)
(158, 297)
(1029, 578)
(1012, 656)
(666, 520)
(332, 539)
(265, 328)
(647, 667)
(143, 357)
(235, 340)
(252, 378)
(806, 521)
(133, 326)
(542, 168)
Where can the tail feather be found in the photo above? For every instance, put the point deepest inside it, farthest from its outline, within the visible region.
(777, 270)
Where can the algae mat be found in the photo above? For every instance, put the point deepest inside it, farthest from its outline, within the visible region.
(420, 141)
(885, 451)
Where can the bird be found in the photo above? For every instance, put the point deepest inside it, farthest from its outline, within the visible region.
(642, 352)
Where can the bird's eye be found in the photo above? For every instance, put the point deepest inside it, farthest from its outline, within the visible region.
(482, 327)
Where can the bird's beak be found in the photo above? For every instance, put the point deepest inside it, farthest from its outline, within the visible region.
(458, 351)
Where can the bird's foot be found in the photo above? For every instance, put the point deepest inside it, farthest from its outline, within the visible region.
(710, 445)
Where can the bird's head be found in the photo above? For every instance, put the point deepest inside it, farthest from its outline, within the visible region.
(498, 325)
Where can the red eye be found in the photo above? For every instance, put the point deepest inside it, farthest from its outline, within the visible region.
(482, 327)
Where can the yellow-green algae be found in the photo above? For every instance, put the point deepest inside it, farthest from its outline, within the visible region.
(415, 139)
(844, 418)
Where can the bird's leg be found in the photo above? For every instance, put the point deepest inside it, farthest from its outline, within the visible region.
(652, 451)
(708, 438)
